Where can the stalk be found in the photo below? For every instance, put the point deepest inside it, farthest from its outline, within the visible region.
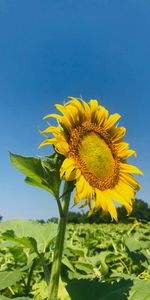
(28, 286)
(56, 267)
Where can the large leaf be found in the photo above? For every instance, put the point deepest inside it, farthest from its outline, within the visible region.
(30, 166)
(28, 233)
(28, 242)
(140, 290)
(39, 173)
(134, 243)
(40, 184)
(87, 290)
(9, 278)
(67, 263)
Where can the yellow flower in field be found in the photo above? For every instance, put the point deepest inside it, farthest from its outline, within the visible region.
(95, 155)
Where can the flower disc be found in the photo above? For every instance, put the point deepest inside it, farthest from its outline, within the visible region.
(97, 156)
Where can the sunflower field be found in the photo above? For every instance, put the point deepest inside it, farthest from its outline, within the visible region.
(108, 261)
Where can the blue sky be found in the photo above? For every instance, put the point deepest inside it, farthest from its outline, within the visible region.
(53, 49)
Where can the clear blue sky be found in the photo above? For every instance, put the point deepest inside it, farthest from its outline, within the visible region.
(51, 49)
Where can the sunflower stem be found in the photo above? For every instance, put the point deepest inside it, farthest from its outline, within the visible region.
(59, 207)
(56, 267)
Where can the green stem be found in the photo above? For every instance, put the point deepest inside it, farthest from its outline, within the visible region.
(56, 267)
(45, 268)
(30, 278)
(59, 206)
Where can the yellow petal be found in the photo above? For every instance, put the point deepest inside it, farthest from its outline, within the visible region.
(79, 108)
(71, 174)
(126, 168)
(123, 150)
(112, 210)
(120, 200)
(129, 179)
(61, 108)
(125, 191)
(126, 153)
(55, 116)
(62, 148)
(48, 142)
(83, 189)
(92, 209)
(80, 185)
(117, 133)
(68, 125)
(68, 170)
(67, 163)
(102, 115)
(94, 108)
(87, 110)
(68, 118)
(100, 200)
(122, 146)
(52, 129)
(111, 121)
(111, 207)
(74, 114)
(93, 104)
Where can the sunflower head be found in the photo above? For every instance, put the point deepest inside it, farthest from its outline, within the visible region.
(95, 155)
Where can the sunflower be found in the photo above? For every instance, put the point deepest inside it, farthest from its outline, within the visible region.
(95, 155)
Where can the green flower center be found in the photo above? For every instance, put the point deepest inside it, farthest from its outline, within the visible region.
(97, 156)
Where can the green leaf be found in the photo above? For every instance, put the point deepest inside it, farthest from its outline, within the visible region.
(133, 243)
(67, 263)
(28, 242)
(9, 278)
(30, 166)
(87, 290)
(41, 185)
(140, 290)
(77, 251)
(84, 266)
(40, 173)
(29, 233)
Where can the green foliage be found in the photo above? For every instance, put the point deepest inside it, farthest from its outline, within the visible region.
(26, 249)
(29, 233)
(141, 210)
(40, 290)
(8, 278)
(87, 290)
(40, 173)
(140, 290)
(122, 290)
(100, 262)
